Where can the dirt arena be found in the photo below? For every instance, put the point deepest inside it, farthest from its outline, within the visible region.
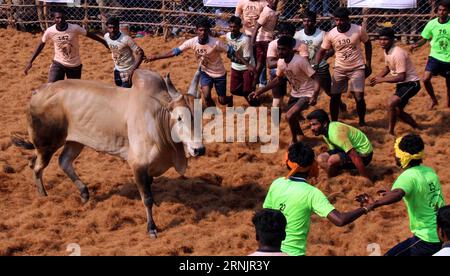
(207, 213)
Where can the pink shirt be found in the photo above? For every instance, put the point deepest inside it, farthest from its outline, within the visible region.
(268, 20)
(67, 48)
(300, 47)
(398, 61)
(208, 55)
(268, 254)
(249, 11)
(299, 73)
(347, 46)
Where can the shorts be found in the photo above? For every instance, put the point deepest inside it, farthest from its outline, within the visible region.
(122, 79)
(437, 67)
(241, 82)
(261, 51)
(347, 162)
(59, 71)
(343, 80)
(219, 83)
(303, 102)
(406, 91)
(281, 90)
(414, 247)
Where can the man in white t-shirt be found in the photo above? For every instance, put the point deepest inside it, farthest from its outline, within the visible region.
(403, 73)
(126, 54)
(302, 77)
(443, 228)
(66, 62)
(350, 69)
(207, 51)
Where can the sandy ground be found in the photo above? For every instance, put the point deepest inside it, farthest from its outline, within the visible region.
(209, 212)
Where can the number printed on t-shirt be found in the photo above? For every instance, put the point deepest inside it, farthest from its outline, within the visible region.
(282, 207)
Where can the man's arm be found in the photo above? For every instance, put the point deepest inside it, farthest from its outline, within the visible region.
(313, 100)
(255, 33)
(388, 198)
(95, 37)
(342, 219)
(272, 84)
(381, 77)
(319, 55)
(35, 54)
(272, 62)
(368, 51)
(418, 44)
(357, 161)
(139, 54)
(169, 54)
(329, 53)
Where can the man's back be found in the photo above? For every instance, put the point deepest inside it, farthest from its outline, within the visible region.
(296, 199)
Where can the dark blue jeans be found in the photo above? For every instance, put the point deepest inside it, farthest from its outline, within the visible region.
(414, 247)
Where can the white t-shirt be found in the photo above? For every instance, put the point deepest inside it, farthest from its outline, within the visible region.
(123, 50)
(313, 41)
(67, 48)
(242, 46)
(208, 55)
(299, 73)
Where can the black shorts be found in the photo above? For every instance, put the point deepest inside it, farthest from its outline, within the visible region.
(406, 91)
(347, 161)
(302, 101)
(59, 71)
(437, 67)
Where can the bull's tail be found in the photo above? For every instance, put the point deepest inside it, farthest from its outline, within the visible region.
(21, 142)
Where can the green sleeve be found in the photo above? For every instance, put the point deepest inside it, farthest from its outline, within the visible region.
(427, 31)
(268, 201)
(320, 204)
(405, 183)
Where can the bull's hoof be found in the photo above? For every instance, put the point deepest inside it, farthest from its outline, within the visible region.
(153, 233)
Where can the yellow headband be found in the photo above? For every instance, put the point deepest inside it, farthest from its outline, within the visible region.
(313, 169)
(405, 157)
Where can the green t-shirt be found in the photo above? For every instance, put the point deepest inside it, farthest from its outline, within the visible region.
(423, 196)
(440, 39)
(346, 137)
(296, 200)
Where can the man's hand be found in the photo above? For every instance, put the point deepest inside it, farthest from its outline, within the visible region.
(252, 96)
(375, 80)
(27, 68)
(367, 70)
(413, 48)
(313, 101)
(149, 59)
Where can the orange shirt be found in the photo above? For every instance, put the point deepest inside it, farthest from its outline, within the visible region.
(398, 61)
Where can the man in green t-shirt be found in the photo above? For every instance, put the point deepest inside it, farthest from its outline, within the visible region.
(420, 189)
(348, 146)
(437, 31)
(297, 200)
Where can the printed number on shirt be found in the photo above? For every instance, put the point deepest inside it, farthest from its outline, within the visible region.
(282, 207)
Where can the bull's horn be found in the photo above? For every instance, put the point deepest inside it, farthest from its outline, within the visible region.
(174, 94)
(193, 88)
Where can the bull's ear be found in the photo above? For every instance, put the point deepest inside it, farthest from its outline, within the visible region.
(174, 94)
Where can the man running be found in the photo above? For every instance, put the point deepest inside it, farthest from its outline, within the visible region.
(66, 62)
(437, 31)
(207, 51)
(403, 73)
(297, 200)
(301, 76)
(126, 54)
(420, 189)
(349, 147)
(350, 70)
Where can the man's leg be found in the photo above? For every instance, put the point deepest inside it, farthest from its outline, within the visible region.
(393, 110)
(117, 78)
(247, 85)
(220, 84)
(74, 72)
(360, 107)
(447, 82)
(296, 106)
(339, 85)
(429, 88)
(237, 82)
(56, 73)
(325, 83)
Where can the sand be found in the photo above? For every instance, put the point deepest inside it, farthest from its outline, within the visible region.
(209, 211)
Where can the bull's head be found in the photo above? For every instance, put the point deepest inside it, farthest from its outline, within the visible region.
(183, 130)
